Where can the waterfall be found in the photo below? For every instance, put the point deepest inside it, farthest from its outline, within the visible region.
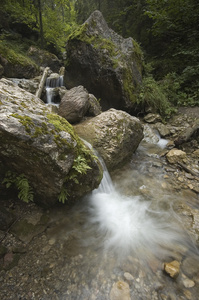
(129, 224)
(52, 82)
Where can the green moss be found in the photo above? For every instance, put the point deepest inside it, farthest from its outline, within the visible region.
(40, 130)
(25, 121)
(14, 56)
(96, 41)
(128, 85)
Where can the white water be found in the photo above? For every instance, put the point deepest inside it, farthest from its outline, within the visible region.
(51, 84)
(129, 225)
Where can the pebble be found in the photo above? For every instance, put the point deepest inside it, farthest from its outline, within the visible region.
(172, 268)
(188, 283)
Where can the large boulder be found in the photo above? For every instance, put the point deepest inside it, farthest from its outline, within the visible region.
(109, 66)
(114, 134)
(44, 148)
(77, 103)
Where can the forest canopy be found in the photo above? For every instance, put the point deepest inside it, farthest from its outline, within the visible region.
(167, 31)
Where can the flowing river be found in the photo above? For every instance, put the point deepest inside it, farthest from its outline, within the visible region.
(123, 232)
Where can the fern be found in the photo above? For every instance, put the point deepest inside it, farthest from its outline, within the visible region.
(80, 165)
(63, 195)
(21, 183)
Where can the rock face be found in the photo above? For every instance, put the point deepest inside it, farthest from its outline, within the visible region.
(43, 147)
(114, 134)
(108, 65)
(76, 103)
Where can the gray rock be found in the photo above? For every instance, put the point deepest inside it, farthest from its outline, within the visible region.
(77, 103)
(152, 118)
(106, 64)
(94, 108)
(74, 104)
(30, 85)
(43, 147)
(114, 134)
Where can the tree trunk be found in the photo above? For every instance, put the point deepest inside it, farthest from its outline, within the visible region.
(42, 83)
(41, 24)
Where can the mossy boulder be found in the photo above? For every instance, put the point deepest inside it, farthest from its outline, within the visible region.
(44, 148)
(16, 64)
(114, 134)
(109, 66)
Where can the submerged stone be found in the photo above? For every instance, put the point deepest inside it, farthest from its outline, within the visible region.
(172, 268)
(120, 291)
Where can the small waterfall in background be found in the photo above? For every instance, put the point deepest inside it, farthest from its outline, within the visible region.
(54, 81)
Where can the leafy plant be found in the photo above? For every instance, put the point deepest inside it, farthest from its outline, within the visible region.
(152, 95)
(21, 183)
(63, 195)
(80, 165)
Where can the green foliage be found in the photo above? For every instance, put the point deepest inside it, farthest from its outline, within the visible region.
(80, 165)
(63, 196)
(58, 18)
(152, 95)
(14, 53)
(21, 183)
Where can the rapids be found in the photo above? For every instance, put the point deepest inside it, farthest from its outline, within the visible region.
(124, 231)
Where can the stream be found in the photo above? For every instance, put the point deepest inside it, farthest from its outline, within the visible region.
(122, 232)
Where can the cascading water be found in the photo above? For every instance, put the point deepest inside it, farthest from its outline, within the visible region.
(129, 224)
(52, 82)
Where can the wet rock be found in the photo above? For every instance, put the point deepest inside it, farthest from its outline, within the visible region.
(188, 283)
(172, 268)
(10, 260)
(175, 155)
(6, 218)
(152, 118)
(106, 64)
(120, 291)
(162, 129)
(190, 266)
(3, 251)
(128, 276)
(25, 230)
(114, 134)
(149, 135)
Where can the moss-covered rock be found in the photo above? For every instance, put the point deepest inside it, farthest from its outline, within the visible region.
(44, 148)
(15, 63)
(109, 66)
(114, 134)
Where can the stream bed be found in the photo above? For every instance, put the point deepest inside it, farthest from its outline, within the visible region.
(122, 234)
